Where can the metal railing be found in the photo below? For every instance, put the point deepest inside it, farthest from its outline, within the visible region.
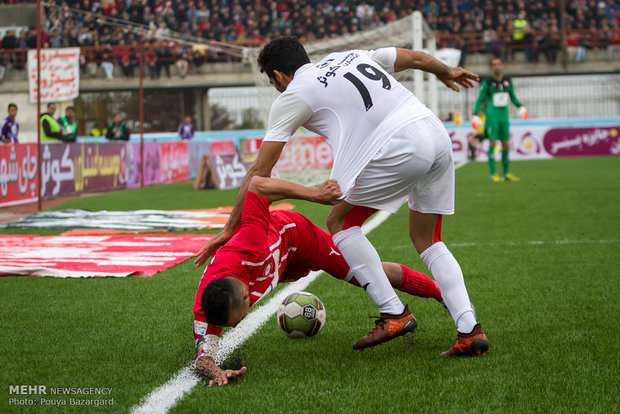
(501, 45)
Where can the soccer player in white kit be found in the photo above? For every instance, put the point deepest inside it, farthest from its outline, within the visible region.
(388, 147)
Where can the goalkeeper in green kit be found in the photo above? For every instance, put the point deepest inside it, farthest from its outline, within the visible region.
(496, 93)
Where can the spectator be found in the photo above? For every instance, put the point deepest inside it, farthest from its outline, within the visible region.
(106, 59)
(151, 60)
(549, 43)
(492, 42)
(9, 41)
(118, 129)
(198, 53)
(614, 42)
(56, 39)
(85, 37)
(182, 60)
(50, 128)
(164, 57)
(522, 37)
(186, 129)
(125, 58)
(22, 44)
(162, 32)
(96, 132)
(364, 12)
(69, 124)
(9, 128)
(575, 47)
(72, 38)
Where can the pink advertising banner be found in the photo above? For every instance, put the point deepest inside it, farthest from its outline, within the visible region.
(538, 142)
(18, 174)
(195, 151)
(224, 146)
(174, 161)
(570, 142)
(152, 166)
(305, 152)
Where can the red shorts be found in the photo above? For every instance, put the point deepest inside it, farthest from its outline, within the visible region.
(315, 249)
(309, 248)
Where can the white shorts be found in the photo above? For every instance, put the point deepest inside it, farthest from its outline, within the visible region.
(416, 163)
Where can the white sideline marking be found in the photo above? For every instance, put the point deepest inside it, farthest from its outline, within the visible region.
(166, 396)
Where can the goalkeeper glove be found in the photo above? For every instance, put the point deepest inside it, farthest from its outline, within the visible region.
(476, 122)
(523, 112)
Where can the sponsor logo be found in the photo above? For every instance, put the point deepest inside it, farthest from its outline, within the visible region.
(527, 144)
(325, 64)
(200, 328)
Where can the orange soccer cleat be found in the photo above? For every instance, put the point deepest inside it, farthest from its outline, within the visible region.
(388, 327)
(471, 344)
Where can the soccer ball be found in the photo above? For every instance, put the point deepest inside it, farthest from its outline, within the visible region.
(301, 315)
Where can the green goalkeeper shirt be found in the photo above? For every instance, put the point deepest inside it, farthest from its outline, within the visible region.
(496, 94)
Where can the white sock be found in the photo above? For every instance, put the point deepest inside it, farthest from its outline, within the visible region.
(365, 264)
(449, 277)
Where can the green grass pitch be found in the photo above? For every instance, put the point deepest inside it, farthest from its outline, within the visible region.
(540, 259)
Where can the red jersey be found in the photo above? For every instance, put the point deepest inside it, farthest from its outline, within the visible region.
(269, 247)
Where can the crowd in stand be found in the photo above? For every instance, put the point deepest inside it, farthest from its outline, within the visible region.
(499, 27)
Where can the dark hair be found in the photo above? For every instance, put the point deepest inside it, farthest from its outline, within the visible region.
(12, 105)
(495, 58)
(50, 104)
(285, 54)
(70, 107)
(218, 299)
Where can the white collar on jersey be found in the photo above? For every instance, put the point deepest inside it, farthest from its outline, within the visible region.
(303, 68)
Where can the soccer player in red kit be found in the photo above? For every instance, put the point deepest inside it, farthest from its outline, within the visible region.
(268, 248)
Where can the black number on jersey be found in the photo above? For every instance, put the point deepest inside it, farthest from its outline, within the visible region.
(371, 73)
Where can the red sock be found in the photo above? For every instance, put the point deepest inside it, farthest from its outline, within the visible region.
(418, 284)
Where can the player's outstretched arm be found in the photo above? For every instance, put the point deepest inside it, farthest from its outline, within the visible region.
(268, 155)
(276, 189)
(451, 77)
(207, 367)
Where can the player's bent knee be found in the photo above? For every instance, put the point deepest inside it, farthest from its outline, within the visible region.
(334, 223)
(357, 216)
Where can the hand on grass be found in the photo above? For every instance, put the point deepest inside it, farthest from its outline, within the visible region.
(224, 376)
(205, 366)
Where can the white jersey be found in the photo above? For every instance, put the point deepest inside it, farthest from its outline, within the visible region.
(351, 100)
